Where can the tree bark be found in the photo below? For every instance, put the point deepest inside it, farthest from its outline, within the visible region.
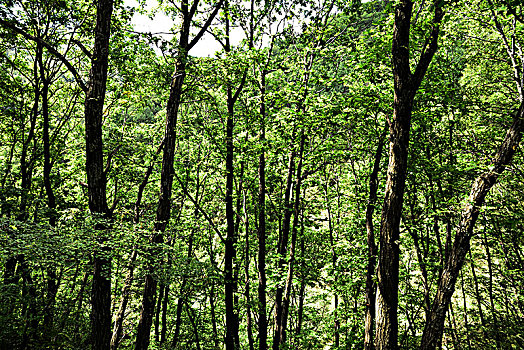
(372, 248)
(434, 328)
(163, 212)
(232, 340)
(291, 260)
(96, 177)
(52, 286)
(119, 319)
(405, 86)
(282, 249)
(262, 279)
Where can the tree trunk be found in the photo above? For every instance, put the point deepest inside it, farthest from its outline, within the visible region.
(163, 213)
(372, 248)
(247, 288)
(434, 328)
(282, 249)
(230, 253)
(119, 320)
(96, 177)
(291, 261)
(405, 86)
(262, 280)
(52, 286)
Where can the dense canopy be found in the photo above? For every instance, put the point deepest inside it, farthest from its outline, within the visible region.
(338, 175)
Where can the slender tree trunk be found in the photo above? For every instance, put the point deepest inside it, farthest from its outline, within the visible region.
(163, 332)
(230, 254)
(405, 86)
(182, 297)
(26, 169)
(334, 259)
(490, 292)
(52, 286)
(291, 261)
(96, 177)
(262, 279)
(232, 340)
(213, 316)
(247, 288)
(282, 249)
(119, 319)
(372, 248)
(178, 320)
(126, 291)
(301, 296)
(434, 328)
(478, 297)
(158, 310)
(163, 213)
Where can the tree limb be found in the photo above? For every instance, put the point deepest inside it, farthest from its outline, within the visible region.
(50, 48)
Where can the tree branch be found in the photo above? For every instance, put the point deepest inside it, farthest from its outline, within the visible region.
(50, 48)
(205, 26)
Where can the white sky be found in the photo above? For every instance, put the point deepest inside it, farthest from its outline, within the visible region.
(207, 46)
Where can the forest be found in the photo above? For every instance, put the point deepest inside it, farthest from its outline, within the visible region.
(346, 175)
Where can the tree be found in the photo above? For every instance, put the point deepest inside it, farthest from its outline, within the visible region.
(406, 85)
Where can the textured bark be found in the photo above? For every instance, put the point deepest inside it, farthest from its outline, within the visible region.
(262, 279)
(126, 291)
(96, 176)
(434, 328)
(372, 248)
(247, 289)
(163, 212)
(232, 340)
(282, 249)
(230, 253)
(291, 260)
(52, 284)
(119, 319)
(405, 86)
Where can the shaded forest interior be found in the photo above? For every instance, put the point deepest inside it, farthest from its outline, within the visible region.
(347, 175)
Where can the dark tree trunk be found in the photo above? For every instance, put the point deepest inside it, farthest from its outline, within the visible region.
(291, 261)
(434, 328)
(405, 86)
(262, 280)
(96, 177)
(247, 288)
(163, 213)
(26, 169)
(52, 286)
(232, 340)
(372, 248)
(282, 249)
(119, 320)
(230, 253)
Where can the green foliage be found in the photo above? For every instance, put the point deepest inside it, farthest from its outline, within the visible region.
(327, 75)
